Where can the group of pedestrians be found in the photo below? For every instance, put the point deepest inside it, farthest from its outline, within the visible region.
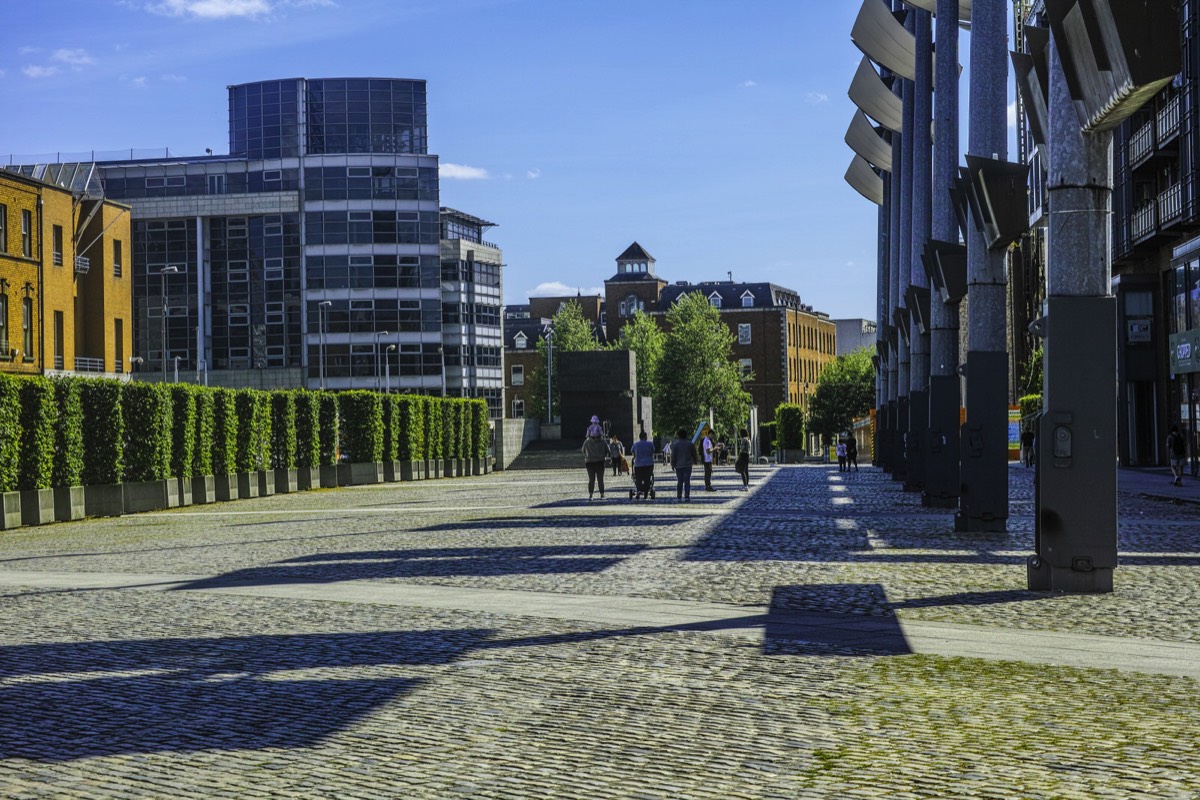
(681, 455)
(847, 454)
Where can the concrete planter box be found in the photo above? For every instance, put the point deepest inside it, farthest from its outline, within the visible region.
(37, 506)
(247, 483)
(266, 482)
(412, 470)
(308, 478)
(151, 495)
(362, 473)
(478, 466)
(204, 489)
(104, 500)
(10, 510)
(227, 487)
(183, 491)
(391, 471)
(286, 481)
(329, 475)
(433, 468)
(68, 503)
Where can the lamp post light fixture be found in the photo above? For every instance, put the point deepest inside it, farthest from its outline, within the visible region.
(442, 358)
(322, 313)
(177, 359)
(387, 369)
(162, 323)
(549, 375)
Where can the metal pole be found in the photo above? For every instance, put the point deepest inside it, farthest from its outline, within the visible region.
(387, 369)
(177, 359)
(941, 474)
(162, 322)
(921, 216)
(322, 312)
(379, 335)
(983, 505)
(549, 376)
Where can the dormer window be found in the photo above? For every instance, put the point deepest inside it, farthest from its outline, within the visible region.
(714, 300)
(520, 341)
(747, 299)
(631, 305)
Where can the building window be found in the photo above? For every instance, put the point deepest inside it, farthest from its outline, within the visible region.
(27, 328)
(27, 233)
(518, 409)
(3, 228)
(56, 255)
(518, 375)
(746, 366)
(4, 346)
(714, 300)
(117, 257)
(747, 300)
(743, 333)
(520, 342)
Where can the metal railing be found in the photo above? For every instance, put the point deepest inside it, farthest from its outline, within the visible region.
(1170, 204)
(84, 364)
(1168, 121)
(1141, 144)
(1144, 220)
(58, 362)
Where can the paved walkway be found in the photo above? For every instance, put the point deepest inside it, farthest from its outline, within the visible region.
(821, 636)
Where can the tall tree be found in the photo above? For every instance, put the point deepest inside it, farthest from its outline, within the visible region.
(573, 333)
(645, 339)
(697, 371)
(845, 392)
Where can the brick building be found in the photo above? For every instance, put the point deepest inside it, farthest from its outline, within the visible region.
(65, 295)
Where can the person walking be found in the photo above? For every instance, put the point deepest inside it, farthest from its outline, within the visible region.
(851, 453)
(840, 448)
(643, 453)
(595, 450)
(1177, 452)
(616, 451)
(742, 466)
(1027, 447)
(683, 458)
(707, 451)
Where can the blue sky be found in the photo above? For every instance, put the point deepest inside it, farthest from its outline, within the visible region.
(710, 133)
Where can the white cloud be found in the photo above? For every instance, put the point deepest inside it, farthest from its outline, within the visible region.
(816, 98)
(462, 172)
(172, 78)
(750, 83)
(24, 51)
(534, 174)
(76, 58)
(210, 9)
(138, 82)
(1012, 114)
(34, 71)
(560, 289)
(2, 73)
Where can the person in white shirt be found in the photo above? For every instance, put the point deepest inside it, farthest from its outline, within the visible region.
(706, 448)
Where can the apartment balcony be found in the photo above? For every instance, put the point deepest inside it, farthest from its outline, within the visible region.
(1141, 145)
(83, 364)
(1167, 121)
(1144, 224)
(1170, 205)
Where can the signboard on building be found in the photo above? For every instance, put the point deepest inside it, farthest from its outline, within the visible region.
(1185, 352)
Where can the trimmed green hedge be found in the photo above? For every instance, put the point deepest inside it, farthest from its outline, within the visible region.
(225, 432)
(183, 429)
(789, 422)
(68, 434)
(39, 418)
(1031, 405)
(283, 430)
(766, 437)
(10, 432)
(254, 430)
(391, 426)
(362, 426)
(481, 430)
(451, 428)
(104, 433)
(308, 429)
(202, 448)
(411, 444)
(435, 440)
(147, 411)
(328, 431)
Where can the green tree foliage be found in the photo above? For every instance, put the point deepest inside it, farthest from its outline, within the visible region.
(697, 371)
(104, 433)
(68, 435)
(183, 429)
(845, 391)
(789, 419)
(146, 408)
(10, 432)
(362, 425)
(643, 336)
(1031, 378)
(283, 430)
(411, 445)
(573, 333)
(39, 417)
(202, 450)
(327, 419)
(225, 432)
(308, 428)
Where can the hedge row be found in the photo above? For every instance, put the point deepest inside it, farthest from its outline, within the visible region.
(145, 431)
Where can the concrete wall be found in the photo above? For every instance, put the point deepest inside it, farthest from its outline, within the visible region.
(512, 436)
(600, 383)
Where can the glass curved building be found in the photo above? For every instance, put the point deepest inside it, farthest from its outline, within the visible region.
(312, 253)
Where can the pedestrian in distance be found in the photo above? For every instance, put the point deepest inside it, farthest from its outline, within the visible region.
(594, 428)
(616, 451)
(840, 449)
(1177, 452)
(643, 453)
(1027, 447)
(742, 465)
(851, 453)
(708, 451)
(666, 455)
(595, 451)
(683, 459)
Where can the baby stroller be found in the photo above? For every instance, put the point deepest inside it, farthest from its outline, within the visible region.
(643, 483)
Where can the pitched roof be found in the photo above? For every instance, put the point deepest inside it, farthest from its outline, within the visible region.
(635, 252)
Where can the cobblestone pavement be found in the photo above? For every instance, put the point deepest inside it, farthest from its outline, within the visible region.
(212, 690)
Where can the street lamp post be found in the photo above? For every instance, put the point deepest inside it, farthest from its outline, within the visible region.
(549, 376)
(322, 312)
(162, 323)
(379, 335)
(387, 369)
(177, 359)
(442, 358)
